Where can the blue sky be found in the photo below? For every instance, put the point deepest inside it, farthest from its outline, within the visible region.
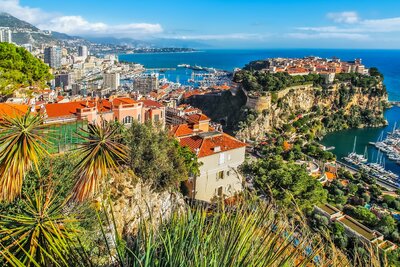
(218, 23)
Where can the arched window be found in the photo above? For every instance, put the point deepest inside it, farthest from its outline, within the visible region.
(127, 120)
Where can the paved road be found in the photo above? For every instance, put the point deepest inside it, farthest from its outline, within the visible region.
(379, 181)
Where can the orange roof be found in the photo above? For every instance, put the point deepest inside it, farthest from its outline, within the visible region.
(164, 86)
(65, 109)
(204, 145)
(151, 103)
(181, 130)
(196, 118)
(70, 109)
(123, 100)
(12, 110)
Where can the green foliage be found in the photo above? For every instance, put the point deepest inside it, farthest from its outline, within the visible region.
(314, 150)
(362, 214)
(156, 158)
(41, 235)
(252, 234)
(286, 182)
(259, 81)
(20, 68)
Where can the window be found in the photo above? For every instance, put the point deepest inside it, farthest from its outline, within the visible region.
(220, 191)
(221, 158)
(156, 118)
(220, 175)
(138, 118)
(127, 120)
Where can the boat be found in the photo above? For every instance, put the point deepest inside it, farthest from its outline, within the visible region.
(183, 66)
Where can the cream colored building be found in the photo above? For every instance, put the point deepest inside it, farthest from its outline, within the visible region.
(220, 156)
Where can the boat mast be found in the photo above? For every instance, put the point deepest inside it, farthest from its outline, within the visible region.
(366, 153)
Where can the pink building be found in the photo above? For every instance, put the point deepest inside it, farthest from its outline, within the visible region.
(122, 109)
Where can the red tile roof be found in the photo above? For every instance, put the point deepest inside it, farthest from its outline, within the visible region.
(123, 100)
(196, 118)
(151, 103)
(181, 130)
(206, 145)
(12, 110)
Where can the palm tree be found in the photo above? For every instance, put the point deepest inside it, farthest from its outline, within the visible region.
(101, 153)
(42, 235)
(21, 146)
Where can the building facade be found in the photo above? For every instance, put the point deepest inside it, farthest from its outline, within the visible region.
(52, 56)
(219, 155)
(5, 35)
(111, 80)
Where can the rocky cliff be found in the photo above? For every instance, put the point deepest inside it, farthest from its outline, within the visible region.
(278, 108)
(134, 202)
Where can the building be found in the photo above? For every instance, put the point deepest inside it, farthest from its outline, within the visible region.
(63, 80)
(354, 228)
(28, 47)
(5, 35)
(146, 83)
(111, 80)
(219, 154)
(52, 56)
(83, 51)
(154, 112)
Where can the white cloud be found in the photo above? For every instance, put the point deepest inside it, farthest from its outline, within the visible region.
(349, 17)
(29, 14)
(350, 27)
(381, 25)
(76, 25)
(79, 25)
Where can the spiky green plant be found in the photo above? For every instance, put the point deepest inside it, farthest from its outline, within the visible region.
(100, 153)
(40, 236)
(21, 145)
(247, 235)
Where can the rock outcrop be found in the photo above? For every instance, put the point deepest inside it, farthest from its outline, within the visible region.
(134, 202)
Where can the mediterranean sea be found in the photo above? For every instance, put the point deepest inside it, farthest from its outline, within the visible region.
(387, 61)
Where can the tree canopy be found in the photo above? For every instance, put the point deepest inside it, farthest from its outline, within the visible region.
(19, 68)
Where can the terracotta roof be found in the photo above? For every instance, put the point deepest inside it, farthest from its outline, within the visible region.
(123, 100)
(151, 103)
(70, 109)
(196, 118)
(181, 130)
(12, 110)
(64, 109)
(206, 144)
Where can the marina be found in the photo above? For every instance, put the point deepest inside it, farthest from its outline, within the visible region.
(374, 168)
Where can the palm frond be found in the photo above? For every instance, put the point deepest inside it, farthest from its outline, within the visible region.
(41, 235)
(21, 145)
(100, 154)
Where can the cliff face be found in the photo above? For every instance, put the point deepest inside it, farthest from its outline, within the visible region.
(134, 202)
(278, 108)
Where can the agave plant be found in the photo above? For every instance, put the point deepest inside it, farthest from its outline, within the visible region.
(101, 153)
(21, 146)
(41, 236)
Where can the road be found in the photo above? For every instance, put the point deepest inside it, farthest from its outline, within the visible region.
(379, 181)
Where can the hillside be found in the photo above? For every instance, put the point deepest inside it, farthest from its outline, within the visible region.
(6, 20)
(304, 105)
(19, 68)
(24, 32)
